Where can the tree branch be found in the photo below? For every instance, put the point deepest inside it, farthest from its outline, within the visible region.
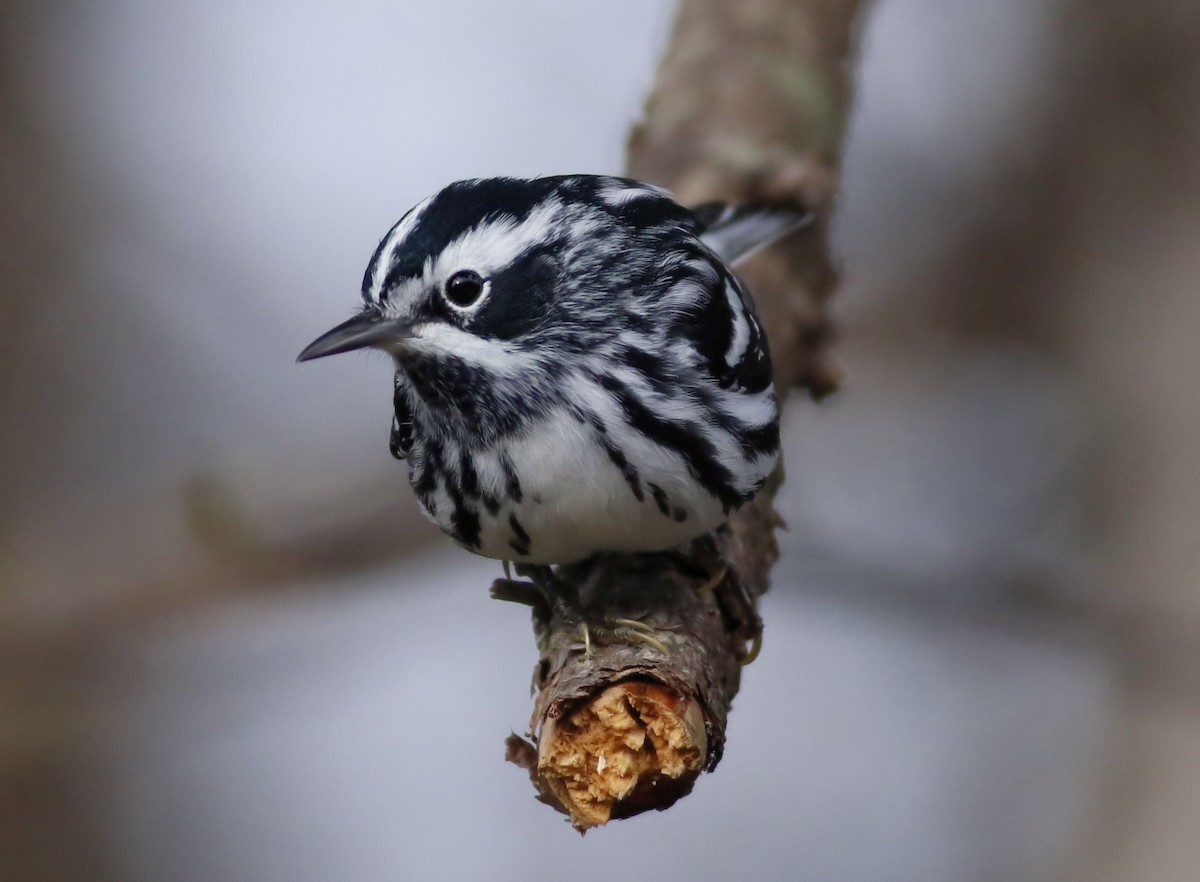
(641, 655)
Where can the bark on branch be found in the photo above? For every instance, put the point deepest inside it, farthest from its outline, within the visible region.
(641, 655)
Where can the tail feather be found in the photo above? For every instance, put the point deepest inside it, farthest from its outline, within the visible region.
(734, 233)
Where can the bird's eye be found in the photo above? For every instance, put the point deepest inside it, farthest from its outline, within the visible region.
(465, 287)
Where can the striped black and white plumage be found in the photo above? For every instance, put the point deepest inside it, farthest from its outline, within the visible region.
(577, 368)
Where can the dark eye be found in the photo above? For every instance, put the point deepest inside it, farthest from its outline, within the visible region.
(465, 287)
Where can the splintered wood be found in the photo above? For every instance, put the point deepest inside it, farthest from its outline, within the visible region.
(618, 748)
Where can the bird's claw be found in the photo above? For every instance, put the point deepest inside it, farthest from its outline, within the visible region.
(620, 629)
(716, 580)
(756, 644)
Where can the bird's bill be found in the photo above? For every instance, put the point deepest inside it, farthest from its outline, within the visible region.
(365, 329)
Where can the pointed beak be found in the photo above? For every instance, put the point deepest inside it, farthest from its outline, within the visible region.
(365, 329)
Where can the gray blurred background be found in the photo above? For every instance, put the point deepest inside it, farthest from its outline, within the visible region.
(230, 648)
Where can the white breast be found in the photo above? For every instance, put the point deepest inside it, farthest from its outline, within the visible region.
(575, 500)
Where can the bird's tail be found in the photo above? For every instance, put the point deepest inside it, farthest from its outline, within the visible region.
(736, 232)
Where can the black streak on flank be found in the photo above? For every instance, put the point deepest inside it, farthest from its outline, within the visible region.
(512, 483)
(696, 450)
(464, 521)
(653, 367)
(628, 472)
(465, 525)
(520, 542)
(615, 454)
(491, 503)
(660, 499)
(425, 481)
(466, 471)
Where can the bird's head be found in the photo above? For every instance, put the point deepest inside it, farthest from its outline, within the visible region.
(495, 270)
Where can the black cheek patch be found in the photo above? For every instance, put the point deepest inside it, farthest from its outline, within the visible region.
(522, 297)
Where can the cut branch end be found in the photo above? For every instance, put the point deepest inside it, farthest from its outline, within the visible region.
(634, 746)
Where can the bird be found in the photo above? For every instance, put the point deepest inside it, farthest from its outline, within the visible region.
(578, 370)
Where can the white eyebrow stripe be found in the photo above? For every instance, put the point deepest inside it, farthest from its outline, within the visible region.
(491, 246)
(399, 233)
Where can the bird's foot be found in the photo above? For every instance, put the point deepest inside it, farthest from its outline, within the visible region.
(756, 643)
(740, 610)
(716, 580)
(619, 630)
(533, 585)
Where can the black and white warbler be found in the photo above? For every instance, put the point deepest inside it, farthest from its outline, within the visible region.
(577, 368)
